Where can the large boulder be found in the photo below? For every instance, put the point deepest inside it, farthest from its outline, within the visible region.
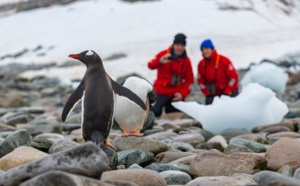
(283, 152)
(59, 178)
(144, 144)
(86, 159)
(166, 157)
(20, 156)
(221, 180)
(270, 178)
(134, 156)
(252, 145)
(14, 140)
(176, 177)
(217, 164)
(139, 176)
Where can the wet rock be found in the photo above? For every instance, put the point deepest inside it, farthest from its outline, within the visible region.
(122, 183)
(76, 118)
(191, 138)
(297, 174)
(62, 145)
(287, 123)
(50, 136)
(41, 144)
(184, 147)
(275, 129)
(69, 126)
(13, 100)
(135, 166)
(185, 161)
(20, 156)
(221, 180)
(14, 140)
(254, 146)
(162, 135)
(86, 159)
(5, 134)
(112, 156)
(232, 148)
(44, 126)
(13, 118)
(218, 139)
(286, 170)
(284, 134)
(162, 167)
(253, 137)
(217, 164)
(1, 140)
(48, 92)
(4, 127)
(176, 177)
(233, 132)
(166, 157)
(60, 178)
(129, 157)
(206, 134)
(272, 178)
(212, 145)
(152, 131)
(139, 176)
(32, 109)
(144, 144)
(278, 152)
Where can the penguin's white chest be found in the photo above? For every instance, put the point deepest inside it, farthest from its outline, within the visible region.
(129, 116)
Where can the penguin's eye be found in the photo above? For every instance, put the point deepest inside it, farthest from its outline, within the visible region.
(86, 56)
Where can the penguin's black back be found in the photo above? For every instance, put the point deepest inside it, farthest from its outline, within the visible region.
(98, 104)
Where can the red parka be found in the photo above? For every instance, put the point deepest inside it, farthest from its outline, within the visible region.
(181, 66)
(219, 71)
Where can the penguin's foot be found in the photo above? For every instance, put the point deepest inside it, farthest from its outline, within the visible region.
(126, 133)
(107, 143)
(137, 134)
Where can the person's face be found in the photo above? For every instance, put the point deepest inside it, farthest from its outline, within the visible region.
(178, 49)
(206, 52)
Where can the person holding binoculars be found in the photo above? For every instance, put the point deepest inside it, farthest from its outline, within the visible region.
(174, 75)
(216, 74)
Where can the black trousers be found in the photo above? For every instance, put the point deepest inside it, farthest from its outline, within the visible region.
(210, 99)
(163, 101)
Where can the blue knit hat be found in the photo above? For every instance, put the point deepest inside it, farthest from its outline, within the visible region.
(207, 43)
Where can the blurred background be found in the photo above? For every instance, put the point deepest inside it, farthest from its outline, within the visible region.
(127, 34)
(37, 37)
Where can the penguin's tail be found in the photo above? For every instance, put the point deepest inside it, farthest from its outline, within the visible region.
(97, 137)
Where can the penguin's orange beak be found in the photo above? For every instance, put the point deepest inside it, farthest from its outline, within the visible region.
(75, 56)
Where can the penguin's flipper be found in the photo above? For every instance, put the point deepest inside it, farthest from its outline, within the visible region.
(123, 91)
(152, 96)
(72, 101)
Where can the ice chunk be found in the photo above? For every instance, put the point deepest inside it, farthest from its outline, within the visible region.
(254, 106)
(267, 75)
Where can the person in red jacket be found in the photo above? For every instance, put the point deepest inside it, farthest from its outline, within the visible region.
(216, 74)
(174, 75)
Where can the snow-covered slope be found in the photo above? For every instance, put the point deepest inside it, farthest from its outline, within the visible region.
(140, 30)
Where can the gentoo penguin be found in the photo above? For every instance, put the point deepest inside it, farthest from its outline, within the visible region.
(97, 91)
(128, 115)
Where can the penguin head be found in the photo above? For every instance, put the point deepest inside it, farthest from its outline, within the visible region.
(88, 57)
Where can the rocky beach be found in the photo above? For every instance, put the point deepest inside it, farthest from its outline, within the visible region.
(37, 79)
(36, 148)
